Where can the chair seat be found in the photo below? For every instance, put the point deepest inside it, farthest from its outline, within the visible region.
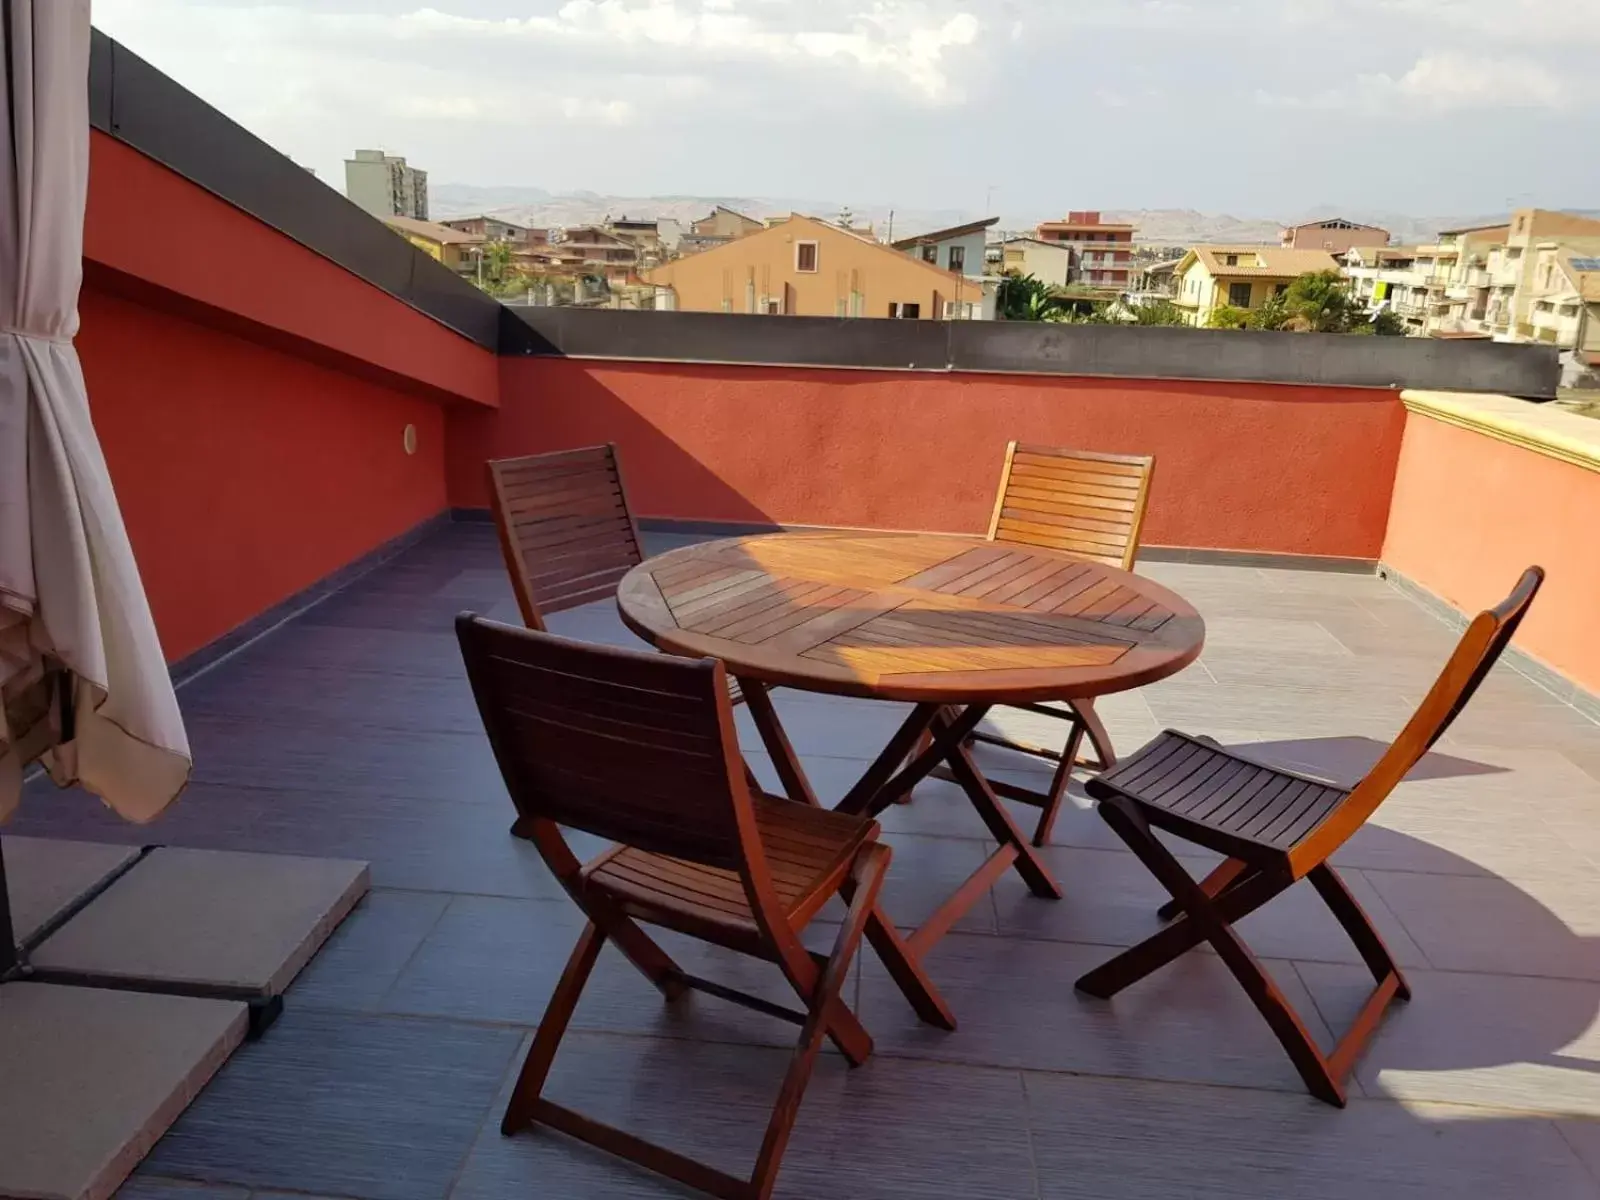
(1192, 786)
(808, 851)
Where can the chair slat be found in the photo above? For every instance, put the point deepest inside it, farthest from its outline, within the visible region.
(565, 527)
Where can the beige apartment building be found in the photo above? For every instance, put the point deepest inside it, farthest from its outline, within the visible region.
(805, 267)
(1335, 235)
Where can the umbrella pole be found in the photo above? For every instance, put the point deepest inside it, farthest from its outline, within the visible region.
(8, 937)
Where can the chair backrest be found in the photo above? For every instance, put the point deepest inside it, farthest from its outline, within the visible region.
(566, 531)
(638, 748)
(1089, 505)
(1475, 654)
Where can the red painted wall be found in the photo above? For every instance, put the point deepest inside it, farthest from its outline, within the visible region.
(245, 474)
(1302, 470)
(156, 226)
(251, 398)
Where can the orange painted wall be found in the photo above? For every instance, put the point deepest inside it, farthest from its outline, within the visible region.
(1470, 512)
(245, 474)
(1300, 470)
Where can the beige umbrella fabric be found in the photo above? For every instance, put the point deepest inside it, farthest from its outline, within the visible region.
(70, 592)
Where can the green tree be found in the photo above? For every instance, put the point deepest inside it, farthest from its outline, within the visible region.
(1027, 298)
(1316, 302)
(1157, 312)
(1226, 316)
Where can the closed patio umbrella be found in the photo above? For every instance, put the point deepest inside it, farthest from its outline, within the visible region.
(70, 596)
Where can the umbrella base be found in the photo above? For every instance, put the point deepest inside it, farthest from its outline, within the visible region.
(93, 1078)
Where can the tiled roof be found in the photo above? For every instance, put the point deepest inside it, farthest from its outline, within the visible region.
(1267, 261)
(939, 235)
(433, 231)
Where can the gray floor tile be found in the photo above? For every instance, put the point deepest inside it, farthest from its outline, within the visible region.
(1017, 1008)
(1511, 1042)
(365, 955)
(369, 1107)
(713, 1102)
(1102, 1139)
(1488, 924)
(152, 1187)
(498, 960)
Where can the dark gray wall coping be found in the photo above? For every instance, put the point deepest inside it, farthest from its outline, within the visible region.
(1019, 348)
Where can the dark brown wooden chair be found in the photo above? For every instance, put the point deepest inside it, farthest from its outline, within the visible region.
(1276, 828)
(566, 530)
(1091, 506)
(639, 748)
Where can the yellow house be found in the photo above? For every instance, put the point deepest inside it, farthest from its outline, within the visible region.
(805, 267)
(450, 246)
(1242, 276)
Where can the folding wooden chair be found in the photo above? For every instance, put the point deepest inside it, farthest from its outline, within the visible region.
(1276, 828)
(639, 748)
(1091, 506)
(566, 530)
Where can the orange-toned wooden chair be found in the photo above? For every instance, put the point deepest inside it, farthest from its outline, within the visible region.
(1276, 828)
(567, 532)
(639, 748)
(1091, 506)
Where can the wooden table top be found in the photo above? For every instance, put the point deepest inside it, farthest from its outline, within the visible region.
(918, 617)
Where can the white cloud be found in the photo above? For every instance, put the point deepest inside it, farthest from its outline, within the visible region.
(1444, 83)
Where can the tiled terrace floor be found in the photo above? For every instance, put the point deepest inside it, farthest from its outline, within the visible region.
(350, 732)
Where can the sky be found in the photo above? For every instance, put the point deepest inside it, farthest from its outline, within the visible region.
(1260, 108)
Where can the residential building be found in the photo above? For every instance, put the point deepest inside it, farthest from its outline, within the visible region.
(1564, 308)
(455, 249)
(1464, 307)
(495, 229)
(644, 234)
(1208, 277)
(597, 245)
(1155, 281)
(1335, 235)
(1391, 278)
(959, 249)
(1516, 268)
(384, 186)
(725, 223)
(1048, 262)
(1102, 254)
(805, 267)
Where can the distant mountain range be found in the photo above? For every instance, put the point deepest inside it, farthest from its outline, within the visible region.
(1165, 227)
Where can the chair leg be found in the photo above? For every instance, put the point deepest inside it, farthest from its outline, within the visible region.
(1212, 921)
(552, 1027)
(1222, 877)
(1349, 913)
(1095, 728)
(1058, 786)
(822, 1006)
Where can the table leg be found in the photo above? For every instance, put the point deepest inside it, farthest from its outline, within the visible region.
(1004, 830)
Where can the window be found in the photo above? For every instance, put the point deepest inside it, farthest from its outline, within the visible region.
(774, 308)
(1280, 289)
(1239, 295)
(930, 254)
(805, 257)
(958, 258)
(1231, 260)
(906, 312)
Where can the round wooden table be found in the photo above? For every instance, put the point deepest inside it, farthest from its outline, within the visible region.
(918, 617)
(954, 625)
